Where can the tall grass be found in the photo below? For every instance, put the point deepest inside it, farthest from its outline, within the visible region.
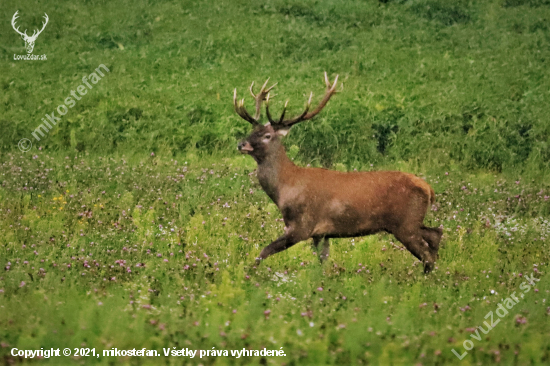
(466, 79)
(133, 223)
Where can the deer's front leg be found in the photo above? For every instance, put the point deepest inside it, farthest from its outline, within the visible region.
(283, 242)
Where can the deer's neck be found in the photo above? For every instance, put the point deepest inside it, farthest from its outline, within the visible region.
(274, 172)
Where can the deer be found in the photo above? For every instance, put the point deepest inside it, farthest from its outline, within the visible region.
(322, 204)
(29, 40)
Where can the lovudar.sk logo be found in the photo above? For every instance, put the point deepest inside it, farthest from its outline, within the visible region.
(29, 40)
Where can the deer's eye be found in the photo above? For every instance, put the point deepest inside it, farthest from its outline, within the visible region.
(267, 136)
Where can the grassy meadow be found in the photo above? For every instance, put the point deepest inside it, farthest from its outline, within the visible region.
(134, 222)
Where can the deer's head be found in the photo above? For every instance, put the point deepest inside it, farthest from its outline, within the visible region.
(29, 40)
(266, 139)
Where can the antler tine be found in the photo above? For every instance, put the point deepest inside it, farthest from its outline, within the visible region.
(267, 113)
(13, 19)
(300, 118)
(241, 110)
(244, 113)
(283, 112)
(327, 81)
(260, 97)
(306, 114)
(263, 89)
(271, 87)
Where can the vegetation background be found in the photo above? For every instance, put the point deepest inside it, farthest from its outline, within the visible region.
(134, 222)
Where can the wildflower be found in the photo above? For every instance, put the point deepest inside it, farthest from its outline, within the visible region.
(520, 320)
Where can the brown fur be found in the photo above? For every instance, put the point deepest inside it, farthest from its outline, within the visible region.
(321, 204)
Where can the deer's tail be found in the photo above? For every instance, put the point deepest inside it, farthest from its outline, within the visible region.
(425, 188)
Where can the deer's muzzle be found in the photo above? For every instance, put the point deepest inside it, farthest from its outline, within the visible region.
(245, 147)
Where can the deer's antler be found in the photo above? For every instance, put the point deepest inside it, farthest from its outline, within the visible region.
(259, 98)
(281, 122)
(306, 114)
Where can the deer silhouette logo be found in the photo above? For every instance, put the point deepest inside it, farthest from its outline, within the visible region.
(29, 40)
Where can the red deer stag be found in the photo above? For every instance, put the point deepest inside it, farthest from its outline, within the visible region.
(322, 204)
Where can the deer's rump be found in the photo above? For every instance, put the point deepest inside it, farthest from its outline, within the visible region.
(362, 203)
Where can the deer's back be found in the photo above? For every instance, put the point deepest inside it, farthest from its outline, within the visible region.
(352, 203)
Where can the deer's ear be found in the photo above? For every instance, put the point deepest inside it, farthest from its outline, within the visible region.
(283, 131)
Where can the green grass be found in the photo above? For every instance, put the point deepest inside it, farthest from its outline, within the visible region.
(140, 189)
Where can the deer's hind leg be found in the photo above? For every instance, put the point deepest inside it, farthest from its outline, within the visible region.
(324, 251)
(413, 241)
(421, 241)
(432, 235)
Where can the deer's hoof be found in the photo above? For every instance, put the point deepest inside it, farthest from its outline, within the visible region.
(428, 267)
